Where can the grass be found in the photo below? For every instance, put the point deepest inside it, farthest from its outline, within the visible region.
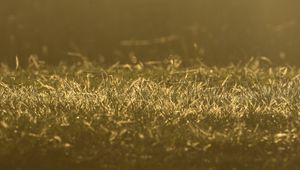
(146, 117)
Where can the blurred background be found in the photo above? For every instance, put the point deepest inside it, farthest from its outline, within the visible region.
(215, 31)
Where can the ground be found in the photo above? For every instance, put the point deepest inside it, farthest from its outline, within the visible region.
(150, 117)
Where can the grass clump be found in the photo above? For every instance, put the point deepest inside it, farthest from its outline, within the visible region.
(235, 117)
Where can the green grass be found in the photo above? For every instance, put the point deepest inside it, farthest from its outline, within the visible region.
(144, 117)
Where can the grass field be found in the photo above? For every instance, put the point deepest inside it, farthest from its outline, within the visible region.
(150, 117)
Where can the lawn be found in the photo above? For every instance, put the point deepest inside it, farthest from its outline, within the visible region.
(155, 116)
